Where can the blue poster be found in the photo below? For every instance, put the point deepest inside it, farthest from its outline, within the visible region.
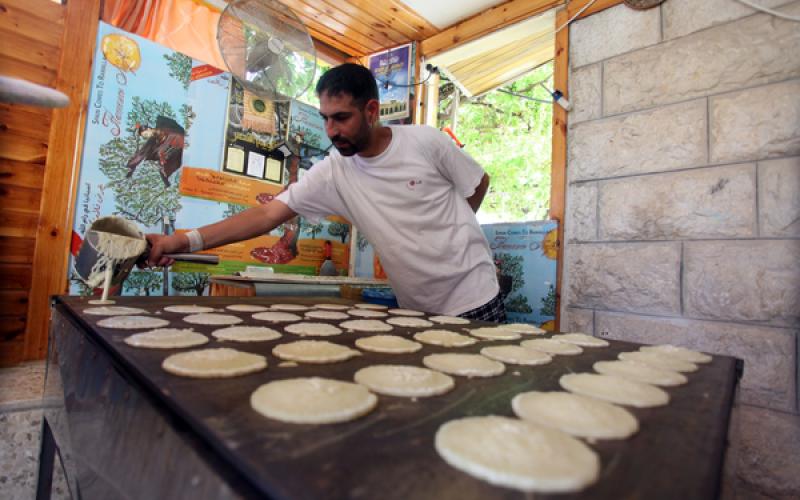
(526, 253)
(151, 111)
(306, 128)
(392, 70)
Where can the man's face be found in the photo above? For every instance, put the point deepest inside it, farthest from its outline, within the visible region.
(348, 126)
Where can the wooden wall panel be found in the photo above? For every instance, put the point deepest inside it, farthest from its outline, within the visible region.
(54, 227)
(26, 18)
(17, 250)
(42, 75)
(13, 303)
(15, 276)
(31, 33)
(28, 50)
(19, 147)
(50, 12)
(25, 120)
(23, 174)
(18, 224)
(20, 198)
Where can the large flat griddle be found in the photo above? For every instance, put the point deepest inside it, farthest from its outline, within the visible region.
(389, 453)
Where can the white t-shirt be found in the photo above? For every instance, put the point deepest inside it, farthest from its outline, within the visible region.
(410, 203)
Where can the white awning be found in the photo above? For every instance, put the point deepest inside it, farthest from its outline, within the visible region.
(500, 57)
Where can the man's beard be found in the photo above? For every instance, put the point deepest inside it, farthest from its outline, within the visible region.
(348, 147)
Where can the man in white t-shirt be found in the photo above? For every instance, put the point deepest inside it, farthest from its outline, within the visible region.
(408, 189)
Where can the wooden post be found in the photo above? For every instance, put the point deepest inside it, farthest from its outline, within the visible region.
(61, 172)
(432, 101)
(416, 89)
(558, 176)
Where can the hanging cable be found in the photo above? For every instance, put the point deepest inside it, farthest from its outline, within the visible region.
(775, 13)
(576, 15)
(523, 96)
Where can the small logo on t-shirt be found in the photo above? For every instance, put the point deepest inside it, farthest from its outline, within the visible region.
(413, 184)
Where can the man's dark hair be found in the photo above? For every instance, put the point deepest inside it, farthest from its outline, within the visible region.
(352, 79)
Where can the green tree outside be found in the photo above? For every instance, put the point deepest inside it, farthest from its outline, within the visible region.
(511, 138)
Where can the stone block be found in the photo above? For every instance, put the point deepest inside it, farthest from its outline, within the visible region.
(779, 197)
(585, 93)
(762, 460)
(768, 353)
(745, 280)
(578, 320)
(755, 124)
(641, 277)
(581, 221)
(682, 17)
(612, 32)
(651, 141)
(756, 50)
(705, 203)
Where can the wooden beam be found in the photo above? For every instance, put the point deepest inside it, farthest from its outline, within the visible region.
(558, 174)
(432, 101)
(575, 6)
(486, 22)
(416, 93)
(329, 54)
(61, 172)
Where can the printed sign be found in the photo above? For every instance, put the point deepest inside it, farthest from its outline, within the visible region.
(392, 70)
(226, 188)
(306, 128)
(526, 255)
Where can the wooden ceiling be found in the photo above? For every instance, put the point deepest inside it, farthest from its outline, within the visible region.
(361, 27)
(356, 28)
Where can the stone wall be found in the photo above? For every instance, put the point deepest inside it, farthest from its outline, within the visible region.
(683, 204)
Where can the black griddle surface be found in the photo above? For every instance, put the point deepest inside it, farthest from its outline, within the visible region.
(389, 453)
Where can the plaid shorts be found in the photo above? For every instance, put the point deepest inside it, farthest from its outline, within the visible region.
(493, 311)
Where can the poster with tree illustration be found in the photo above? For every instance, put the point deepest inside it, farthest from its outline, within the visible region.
(526, 252)
(150, 113)
(155, 140)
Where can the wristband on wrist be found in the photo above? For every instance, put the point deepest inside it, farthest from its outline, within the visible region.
(195, 241)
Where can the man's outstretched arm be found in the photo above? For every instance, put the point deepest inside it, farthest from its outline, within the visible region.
(242, 226)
